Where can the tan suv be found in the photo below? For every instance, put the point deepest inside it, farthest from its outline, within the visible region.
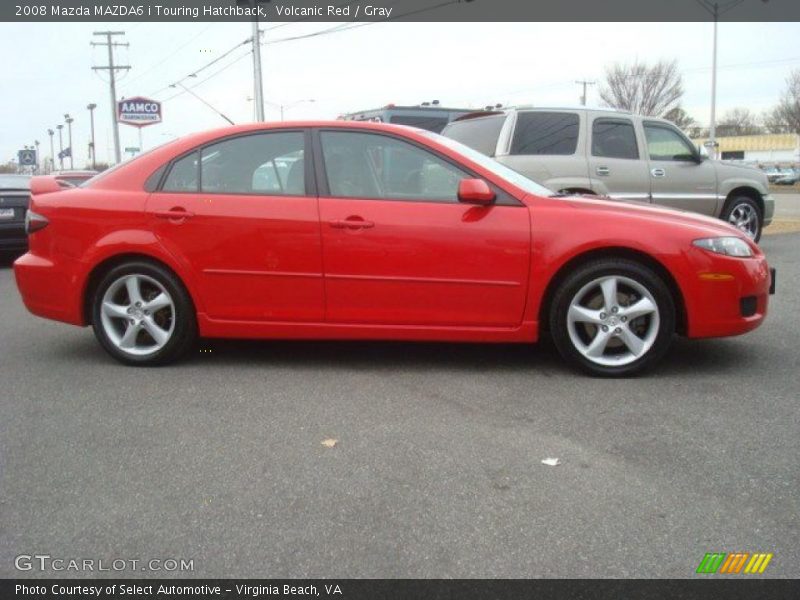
(620, 155)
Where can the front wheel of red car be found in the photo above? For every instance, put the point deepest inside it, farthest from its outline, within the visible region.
(142, 315)
(612, 317)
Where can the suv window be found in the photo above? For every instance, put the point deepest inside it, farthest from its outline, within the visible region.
(614, 138)
(265, 163)
(480, 134)
(545, 133)
(368, 165)
(664, 143)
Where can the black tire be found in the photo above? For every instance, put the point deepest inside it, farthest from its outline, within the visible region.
(584, 275)
(744, 201)
(184, 332)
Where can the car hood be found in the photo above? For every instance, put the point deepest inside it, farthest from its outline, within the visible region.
(703, 224)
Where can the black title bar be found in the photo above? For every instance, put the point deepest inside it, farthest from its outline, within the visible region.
(398, 10)
(739, 588)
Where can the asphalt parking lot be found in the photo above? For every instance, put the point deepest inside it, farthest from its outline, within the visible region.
(437, 471)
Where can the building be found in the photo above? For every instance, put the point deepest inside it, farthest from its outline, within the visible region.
(782, 149)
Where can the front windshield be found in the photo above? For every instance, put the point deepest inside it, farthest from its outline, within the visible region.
(492, 165)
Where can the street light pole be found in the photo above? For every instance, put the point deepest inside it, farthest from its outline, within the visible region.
(91, 108)
(50, 132)
(60, 147)
(69, 121)
(36, 143)
(716, 10)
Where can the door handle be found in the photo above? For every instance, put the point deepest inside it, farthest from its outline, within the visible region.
(351, 223)
(603, 171)
(658, 172)
(175, 214)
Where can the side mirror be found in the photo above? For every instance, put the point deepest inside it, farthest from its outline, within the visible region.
(475, 191)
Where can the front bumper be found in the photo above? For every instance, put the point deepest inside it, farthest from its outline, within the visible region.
(769, 208)
(729, 296)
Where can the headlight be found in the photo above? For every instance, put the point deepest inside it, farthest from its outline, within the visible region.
(729, 246)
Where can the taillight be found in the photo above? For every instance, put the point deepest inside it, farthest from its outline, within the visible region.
(34, 222)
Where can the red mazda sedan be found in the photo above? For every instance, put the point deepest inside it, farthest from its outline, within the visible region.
(352, 230)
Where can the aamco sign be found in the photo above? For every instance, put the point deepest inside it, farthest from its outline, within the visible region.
(139, 111)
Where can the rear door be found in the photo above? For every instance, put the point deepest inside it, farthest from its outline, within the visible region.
(398, 247)
(617, 167)
(242, 213)
(678, 178)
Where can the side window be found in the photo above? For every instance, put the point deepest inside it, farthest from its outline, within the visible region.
(545, 133)
(183, 175)
(264, 163)
(614, 138)
(664, 143)
(367, 165)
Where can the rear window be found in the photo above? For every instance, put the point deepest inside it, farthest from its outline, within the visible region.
(545, 133)
(614, 138)
(479, 134)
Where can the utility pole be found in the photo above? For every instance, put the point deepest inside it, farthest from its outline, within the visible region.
(50, 132)
(91, 108)
(60, 147)
(36, 143)
(584, 84)
(112, 69)
(258, 96)
(69, 121)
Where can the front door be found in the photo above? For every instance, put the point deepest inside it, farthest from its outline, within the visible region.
(240, 215)
(678, 178)
(398, 247)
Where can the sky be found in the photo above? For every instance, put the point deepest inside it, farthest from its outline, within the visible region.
(48, 70)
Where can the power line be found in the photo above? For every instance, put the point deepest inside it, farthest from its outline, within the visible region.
(170, 54)
(202, 81)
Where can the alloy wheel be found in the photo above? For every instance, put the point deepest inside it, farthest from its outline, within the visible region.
(745, 218)
(138, 314)
(613, 320)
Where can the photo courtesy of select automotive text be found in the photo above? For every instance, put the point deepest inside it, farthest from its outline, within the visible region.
(400, 299)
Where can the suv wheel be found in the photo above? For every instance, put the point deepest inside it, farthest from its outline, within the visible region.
(612, 317)
(743, 213)
(142, 315)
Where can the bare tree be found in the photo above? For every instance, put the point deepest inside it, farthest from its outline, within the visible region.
(642, 89)
(681, 118)
(739, 121)
(774, 121)
(789, 107)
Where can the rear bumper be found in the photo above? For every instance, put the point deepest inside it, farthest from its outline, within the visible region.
(730, 296)
(48, 289)
(13, 237)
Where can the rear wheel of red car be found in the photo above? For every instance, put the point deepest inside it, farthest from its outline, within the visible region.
(142, 315)
(612, 317)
